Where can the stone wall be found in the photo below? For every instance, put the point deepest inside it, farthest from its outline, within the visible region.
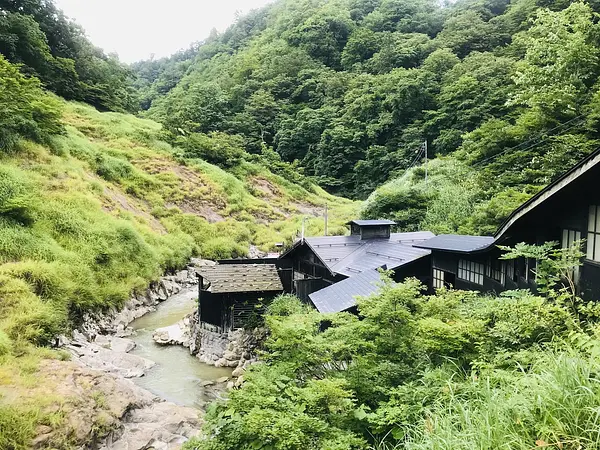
(237, 349)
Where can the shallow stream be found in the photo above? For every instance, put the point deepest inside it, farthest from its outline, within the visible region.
(178, 376)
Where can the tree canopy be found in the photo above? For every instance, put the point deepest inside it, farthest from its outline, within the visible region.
(36, 34)
(350, 89)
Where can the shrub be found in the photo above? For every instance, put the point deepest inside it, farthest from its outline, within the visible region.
(25, 109)
(216, 148)
(17, 427)
(113, 169)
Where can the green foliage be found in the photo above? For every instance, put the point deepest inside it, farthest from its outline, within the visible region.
(347, 92)
(217, 148)
(556, 271)
(37, 35)
(25, 110)
(17, 427)
(110, 207)
(452, 370)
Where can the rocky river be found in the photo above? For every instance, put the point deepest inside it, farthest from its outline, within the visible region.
(152, 394)
(177, 377)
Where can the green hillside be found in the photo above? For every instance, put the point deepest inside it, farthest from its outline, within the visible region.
(111, 176)
(95, 205)
(108, 206)
(351, 89)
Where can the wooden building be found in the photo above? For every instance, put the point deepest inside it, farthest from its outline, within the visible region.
(230, 294)
(566, 211)
(328, 271)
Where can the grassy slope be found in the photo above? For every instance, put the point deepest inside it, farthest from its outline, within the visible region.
(106, 210)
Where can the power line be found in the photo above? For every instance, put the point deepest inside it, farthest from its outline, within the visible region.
(530, 140)
(421, 151)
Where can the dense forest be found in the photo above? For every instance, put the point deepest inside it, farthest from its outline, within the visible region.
(52, 48)
(349, 91)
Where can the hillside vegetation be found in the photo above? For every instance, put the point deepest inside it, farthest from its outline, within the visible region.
(350, 89)
(241, 136)
(94, 205)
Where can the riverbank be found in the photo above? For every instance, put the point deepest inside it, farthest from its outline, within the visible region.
(113, 411)
(235, 349)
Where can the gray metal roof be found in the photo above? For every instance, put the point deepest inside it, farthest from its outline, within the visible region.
(227, 278)
(366, 223)
(342, 296)
(349, 255)
(457, 243)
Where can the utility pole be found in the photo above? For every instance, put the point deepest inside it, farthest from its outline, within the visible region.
(426, 167)
(326, 218)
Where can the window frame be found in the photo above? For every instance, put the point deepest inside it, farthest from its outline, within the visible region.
(495, 269)
(568, 238)
(439, 278)
(593, 234)
(471, 271)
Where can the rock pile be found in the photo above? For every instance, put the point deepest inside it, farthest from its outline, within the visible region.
(178, 334)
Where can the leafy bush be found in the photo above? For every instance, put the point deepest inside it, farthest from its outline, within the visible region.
(216, 148)
(25, 110)
(443, 371)
(17, 427)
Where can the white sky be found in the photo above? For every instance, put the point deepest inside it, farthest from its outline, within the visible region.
(135, 29)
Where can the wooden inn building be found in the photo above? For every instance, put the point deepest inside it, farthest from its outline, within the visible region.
(566, 211)
(329, 272)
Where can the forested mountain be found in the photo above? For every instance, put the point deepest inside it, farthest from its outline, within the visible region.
(96, 205)
(352, 88)
(37, 35)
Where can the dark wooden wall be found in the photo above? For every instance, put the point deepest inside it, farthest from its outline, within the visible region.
(566, 209)
(231, 310)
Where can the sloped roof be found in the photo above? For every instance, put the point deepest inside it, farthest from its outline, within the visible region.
(229, 278)
(468, 244)
(457, 243)
(581, 168)
(342, 296)
(349, 255)
(366, 223)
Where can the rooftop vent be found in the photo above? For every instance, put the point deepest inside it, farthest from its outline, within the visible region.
(371, 229)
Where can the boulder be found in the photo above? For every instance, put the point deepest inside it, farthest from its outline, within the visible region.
(182, 276)
(122, 345)
(239, 382)
(158, 426)
(120, 363)
(238, 372)
(178, 334)
(222, 380)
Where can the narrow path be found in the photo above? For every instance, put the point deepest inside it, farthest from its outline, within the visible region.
(178, 377)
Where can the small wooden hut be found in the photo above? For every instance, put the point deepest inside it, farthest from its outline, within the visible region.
(231, 294)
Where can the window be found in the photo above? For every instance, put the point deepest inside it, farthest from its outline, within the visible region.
(470, 271)
(438, 278)
(569, 237)
(593, 235)
(511, 270)
(495, 270)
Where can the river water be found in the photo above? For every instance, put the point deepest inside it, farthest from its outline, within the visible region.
(178, 376)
